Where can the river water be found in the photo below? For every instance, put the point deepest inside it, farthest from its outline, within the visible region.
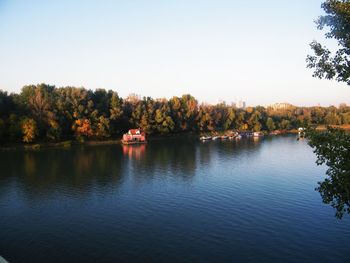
(172, 200)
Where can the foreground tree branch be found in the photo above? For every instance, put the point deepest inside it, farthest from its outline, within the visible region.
(333, 146)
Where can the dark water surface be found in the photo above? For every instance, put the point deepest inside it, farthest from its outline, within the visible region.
(169, 201)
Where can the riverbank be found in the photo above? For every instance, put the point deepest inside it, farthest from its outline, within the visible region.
(70, 143)
(117, 140)
(345, 127)
(63, 144)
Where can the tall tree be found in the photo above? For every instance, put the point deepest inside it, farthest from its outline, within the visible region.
(332, 147)
(270, 124)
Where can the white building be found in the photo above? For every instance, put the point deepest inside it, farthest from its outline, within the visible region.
(281, 106)
(241, 104)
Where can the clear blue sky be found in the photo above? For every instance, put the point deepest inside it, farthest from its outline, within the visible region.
(221, 49)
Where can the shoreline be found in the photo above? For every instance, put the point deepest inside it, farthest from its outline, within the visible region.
(116, 141)
(69, 143)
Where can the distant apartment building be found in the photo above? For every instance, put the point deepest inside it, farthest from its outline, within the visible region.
(281, 106)
(241, 104)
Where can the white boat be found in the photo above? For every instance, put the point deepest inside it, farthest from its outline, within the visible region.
(215, 137)
(258, 134)
(301, 132)
(205, 138)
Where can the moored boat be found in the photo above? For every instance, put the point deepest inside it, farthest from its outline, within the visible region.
(246, 133)
(134, 136)
(258, 134)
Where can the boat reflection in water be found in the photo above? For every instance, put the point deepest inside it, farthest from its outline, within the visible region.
(134, 151)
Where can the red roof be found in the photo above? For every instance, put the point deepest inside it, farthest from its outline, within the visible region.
(134, 131)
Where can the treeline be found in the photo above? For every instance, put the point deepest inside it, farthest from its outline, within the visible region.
(46, 113)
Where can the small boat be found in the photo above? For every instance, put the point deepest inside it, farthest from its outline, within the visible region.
(246, 133)
(238, 137)
(258, 134)
(215, 137)
(223, 137)
(301, 133)
(205, 138)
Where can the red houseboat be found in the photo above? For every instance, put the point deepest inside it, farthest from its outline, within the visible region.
(134, 136)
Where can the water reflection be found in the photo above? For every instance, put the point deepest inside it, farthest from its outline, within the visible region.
(103, 168)
(335, 191)
(50, 170)
(134, 151)
(124, 204)
(165, 158)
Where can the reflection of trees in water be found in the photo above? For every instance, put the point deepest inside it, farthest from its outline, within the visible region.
(240, 149)
(163, 158)
(85, 168)
(181, 157)
(29, 164)
(332, 148)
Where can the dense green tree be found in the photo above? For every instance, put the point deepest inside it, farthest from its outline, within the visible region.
(345, 117)
(38, 99)
(270, 124)
(163, 122)
(241, 119)
(254, 121)
(325, 63)
(7, 105)
(103, 128)
(2, 130)
(189, 109)
(285, 124)
(333, 146)
(70, 112)
(332, 118)
(14, 129)
(54, 130)
(229, 118)
(204, 118)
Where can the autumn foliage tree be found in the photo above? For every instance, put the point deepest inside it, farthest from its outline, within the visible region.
(29, 130)
(82, 128)
(67, 113)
